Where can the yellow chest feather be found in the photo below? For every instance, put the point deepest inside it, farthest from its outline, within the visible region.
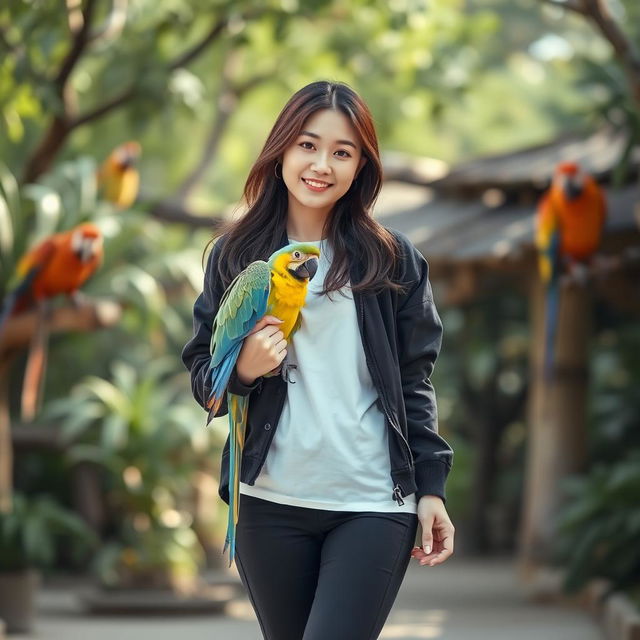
(286, 298)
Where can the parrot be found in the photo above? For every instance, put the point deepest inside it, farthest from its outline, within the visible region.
(569, 222)
(59, 264)
(118, 177)
(276, 287)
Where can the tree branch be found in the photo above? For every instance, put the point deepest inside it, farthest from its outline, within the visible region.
(597, 12)
(78, 45)
(113, 24)
(228, 97)
(570, 5)
(173, 211)
(104, 108)
(130, 91)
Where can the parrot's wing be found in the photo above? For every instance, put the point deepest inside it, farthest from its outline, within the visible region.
(33, 261)
(547, 238)
(297, 324)
(241, 307)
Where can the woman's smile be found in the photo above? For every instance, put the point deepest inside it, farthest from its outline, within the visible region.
(316, 185)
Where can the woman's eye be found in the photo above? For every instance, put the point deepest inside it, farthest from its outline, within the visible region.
(346, 153)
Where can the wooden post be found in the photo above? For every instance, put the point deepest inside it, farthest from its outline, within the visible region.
(6, 448)
(557, 434)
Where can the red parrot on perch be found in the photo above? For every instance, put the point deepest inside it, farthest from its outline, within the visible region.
(568, 229)
(60, 264)
(118, 177)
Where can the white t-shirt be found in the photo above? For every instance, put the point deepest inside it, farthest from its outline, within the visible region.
(330, 449)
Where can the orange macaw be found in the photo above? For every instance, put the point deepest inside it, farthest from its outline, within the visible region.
(60, 264)
(569, 221)
(118, 177)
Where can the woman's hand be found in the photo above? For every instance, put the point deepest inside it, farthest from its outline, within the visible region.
(437, 532)
(262, 350)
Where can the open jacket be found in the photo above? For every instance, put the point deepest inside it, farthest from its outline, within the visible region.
(401, 335)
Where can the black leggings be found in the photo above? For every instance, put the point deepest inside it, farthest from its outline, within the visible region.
(314, 574)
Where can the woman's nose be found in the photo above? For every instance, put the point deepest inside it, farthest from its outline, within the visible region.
(321, 164)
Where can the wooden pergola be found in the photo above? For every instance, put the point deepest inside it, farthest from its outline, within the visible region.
(475, 226)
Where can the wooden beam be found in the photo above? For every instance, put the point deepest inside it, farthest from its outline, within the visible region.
(92, 315)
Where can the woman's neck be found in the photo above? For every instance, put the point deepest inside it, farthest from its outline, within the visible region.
(304, 234)
(305, 225)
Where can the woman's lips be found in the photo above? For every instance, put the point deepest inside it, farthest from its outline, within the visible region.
(314, 188)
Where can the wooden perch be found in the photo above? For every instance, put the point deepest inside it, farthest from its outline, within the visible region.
(96, 314)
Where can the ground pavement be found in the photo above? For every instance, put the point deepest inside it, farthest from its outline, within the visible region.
(463, 599)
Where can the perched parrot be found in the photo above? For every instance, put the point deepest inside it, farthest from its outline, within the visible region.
(60, 264)
(277, 287)
(118, 177)
(568, 230)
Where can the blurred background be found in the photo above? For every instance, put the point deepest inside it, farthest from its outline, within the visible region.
(498, 122)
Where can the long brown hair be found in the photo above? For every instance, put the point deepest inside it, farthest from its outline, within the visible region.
(350, 227)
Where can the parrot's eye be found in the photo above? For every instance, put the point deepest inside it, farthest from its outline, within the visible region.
(297, 255)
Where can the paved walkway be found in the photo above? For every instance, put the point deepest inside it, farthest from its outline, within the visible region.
(463, 599)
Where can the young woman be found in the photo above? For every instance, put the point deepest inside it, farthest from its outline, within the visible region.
(342, 459)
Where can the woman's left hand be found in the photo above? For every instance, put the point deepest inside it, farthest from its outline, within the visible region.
(437, 532)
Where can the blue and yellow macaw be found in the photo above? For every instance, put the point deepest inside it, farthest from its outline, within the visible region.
(277, 287)
(569, 223)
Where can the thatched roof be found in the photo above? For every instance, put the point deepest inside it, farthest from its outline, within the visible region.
(474, 214)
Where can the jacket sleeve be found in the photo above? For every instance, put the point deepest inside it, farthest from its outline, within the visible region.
(420, 337)
(195, 354)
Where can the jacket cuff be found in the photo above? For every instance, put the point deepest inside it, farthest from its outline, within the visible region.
(431, 476)
(239, 388)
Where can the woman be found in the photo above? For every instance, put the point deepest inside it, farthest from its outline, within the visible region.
(342, 457)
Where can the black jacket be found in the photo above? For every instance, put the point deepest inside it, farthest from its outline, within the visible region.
(401, 334)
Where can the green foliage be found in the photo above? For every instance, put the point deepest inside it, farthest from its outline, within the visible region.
(138, 427)
(443, 78)
(142, 421)
(156, 548)
(600, 529)
(28, 533)
(614, 402)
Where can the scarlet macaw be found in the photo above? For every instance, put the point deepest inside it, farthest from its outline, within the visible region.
(569, 222)
(60, 264)
(118, 177)
(277, 287)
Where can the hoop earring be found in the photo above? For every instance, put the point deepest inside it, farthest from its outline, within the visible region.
(275, 171)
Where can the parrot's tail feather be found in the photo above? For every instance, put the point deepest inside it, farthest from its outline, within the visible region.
(220, 375)
(7, 307)
(238, 406)
(551, 324)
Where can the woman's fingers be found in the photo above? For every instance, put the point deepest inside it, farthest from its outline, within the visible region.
(443, 534)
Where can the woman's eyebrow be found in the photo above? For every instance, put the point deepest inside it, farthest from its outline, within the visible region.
(315, 135)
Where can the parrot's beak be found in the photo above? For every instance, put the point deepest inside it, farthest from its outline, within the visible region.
(572, 190)
(306, 270)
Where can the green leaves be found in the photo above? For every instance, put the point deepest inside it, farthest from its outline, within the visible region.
(600, 528)
(149, 437)
(28, 534)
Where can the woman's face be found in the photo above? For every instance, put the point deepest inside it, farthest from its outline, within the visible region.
(319, 167)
